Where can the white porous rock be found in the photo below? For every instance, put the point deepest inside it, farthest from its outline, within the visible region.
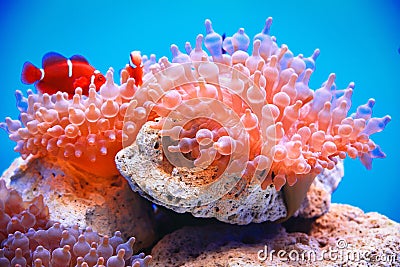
(148, 172)
(75, 196)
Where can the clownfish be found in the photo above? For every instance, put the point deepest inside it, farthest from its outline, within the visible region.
(59, 73)
(135, 67)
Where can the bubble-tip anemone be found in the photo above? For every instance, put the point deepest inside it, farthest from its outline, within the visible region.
(85, 130)
(290, 129)
(252, 114)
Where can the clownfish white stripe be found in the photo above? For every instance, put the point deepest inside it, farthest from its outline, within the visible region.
(133, 65)
(42, 71)
(92, 79)
(69, 68)
(96, 72)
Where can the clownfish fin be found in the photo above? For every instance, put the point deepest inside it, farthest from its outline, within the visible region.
(82, 82)
(30, 73)
(44, 88)
(79, 58)
(52, 58)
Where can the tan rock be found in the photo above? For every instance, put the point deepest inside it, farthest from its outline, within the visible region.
(366, 239)
(75, 196)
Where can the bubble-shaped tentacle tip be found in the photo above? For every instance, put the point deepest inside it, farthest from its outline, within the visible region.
(46, 243)
(84, 130)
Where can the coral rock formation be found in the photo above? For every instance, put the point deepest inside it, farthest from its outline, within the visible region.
(354, 238)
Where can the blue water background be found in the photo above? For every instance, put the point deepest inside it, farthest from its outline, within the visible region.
(359, 41)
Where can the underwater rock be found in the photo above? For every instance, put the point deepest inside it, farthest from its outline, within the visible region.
(344, 231)
(75, 196)
(144, 166)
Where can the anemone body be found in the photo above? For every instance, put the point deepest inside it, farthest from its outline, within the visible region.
(250, 113)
